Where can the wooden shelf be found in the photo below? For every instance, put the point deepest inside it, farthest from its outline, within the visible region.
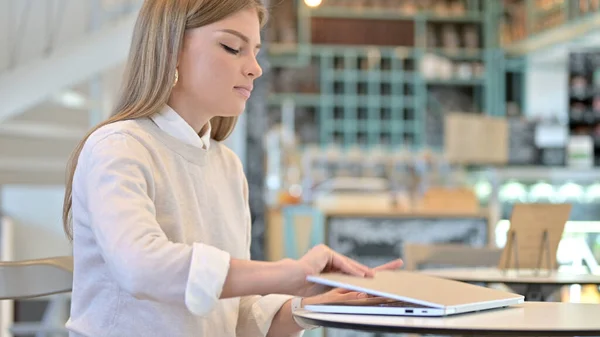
(401, 213)
(386, 14)
(555, 36)
(457, 54)
(315, 100)
(455, 81)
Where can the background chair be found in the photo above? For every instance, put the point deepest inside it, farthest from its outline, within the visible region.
(316, 230)
(35, 279)
(419, 256)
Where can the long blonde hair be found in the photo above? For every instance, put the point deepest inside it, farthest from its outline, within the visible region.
(150, 71)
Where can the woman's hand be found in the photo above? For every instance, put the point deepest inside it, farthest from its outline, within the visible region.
(392, 265)
(339, 294)
(320, 259)
(334, 295)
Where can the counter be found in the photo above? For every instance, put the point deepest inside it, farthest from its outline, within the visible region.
(375, 236)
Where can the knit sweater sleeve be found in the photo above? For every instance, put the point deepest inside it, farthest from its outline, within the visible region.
(118, 187)
(257, 312)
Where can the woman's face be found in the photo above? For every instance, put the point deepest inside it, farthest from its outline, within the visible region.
(217, 65)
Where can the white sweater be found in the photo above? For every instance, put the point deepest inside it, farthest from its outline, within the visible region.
(155, 222)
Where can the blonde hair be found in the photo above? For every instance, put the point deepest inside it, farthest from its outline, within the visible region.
(150, 71)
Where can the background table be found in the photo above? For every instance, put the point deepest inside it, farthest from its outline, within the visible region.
(526, 282)
(527, 319)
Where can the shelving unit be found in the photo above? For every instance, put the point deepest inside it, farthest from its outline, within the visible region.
(362, 100)
(373, 85)
(355, 86)
(584, 102)
(529, 25)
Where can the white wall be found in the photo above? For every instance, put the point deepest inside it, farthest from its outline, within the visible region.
(546, 79)
(546, 88)
(37, 213)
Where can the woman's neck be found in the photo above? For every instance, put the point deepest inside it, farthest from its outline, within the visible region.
(196, 119)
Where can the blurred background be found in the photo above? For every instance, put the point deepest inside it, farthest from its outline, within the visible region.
(377, 123)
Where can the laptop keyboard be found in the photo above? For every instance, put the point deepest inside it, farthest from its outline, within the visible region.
(380, 302)
(401, 304)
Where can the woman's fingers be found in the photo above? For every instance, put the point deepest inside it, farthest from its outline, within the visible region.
(340, 291)
(339, 262)
(349, 266)
(368, 271)
(342, 264)
(391, 265)
(353, 295)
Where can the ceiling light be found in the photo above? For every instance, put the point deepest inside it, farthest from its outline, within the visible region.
(312, 3)
(71, 99)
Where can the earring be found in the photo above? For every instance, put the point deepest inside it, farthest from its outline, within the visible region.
(176, 77)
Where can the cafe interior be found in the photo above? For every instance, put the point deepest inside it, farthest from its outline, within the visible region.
(461, 136)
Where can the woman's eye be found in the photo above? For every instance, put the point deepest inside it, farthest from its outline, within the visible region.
(230, 50)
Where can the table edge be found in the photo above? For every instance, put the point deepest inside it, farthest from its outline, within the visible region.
(445, 331)
(528, 282)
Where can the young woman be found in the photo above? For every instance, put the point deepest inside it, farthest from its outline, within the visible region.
(157, 207)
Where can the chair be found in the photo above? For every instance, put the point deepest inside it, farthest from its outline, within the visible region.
(38, 278)
(418, 256)
(6, 253)
(35, 278)
(317, 230)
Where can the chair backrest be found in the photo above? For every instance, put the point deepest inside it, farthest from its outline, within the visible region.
(417, 256)
(6, 253)
(35, 278)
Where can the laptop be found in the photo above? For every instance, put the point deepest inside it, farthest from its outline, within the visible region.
(405, 293)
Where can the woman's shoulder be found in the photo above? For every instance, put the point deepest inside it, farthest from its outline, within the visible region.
(228, 156)
(126, 137)
(132, 127)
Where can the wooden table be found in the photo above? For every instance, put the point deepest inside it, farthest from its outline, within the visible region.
(527, 319)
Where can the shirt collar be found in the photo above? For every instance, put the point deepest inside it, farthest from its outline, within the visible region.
(172, 123)
(205, 138)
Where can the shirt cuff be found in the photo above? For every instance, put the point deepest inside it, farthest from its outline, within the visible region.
(265, 309)
(208, 271)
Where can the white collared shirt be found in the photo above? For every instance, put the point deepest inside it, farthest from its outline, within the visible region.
(172, 123)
